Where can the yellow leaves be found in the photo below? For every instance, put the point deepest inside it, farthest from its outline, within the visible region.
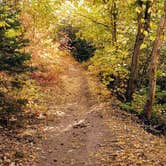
(6, 7)
(11, 33)
(3, 24)
(143, 46)
(152, 38)
(143, 20)
(121, 142)
(138, 10)
(149, 10)
(145, 33)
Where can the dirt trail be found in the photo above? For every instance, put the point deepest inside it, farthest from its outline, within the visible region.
(90, 131)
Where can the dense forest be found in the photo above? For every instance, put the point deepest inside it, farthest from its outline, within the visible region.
(120, 44)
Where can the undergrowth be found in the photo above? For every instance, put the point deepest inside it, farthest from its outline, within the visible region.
(157, 123)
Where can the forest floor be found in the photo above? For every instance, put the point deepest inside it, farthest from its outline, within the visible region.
(90, 129)
(83, 126)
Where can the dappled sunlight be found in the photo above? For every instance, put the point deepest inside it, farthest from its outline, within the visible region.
(82, 83)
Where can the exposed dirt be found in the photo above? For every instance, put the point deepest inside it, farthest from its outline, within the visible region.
(84, 127)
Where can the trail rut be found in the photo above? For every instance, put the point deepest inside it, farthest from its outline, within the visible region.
(76, 136)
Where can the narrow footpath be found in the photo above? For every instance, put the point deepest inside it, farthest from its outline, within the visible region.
(88, 128)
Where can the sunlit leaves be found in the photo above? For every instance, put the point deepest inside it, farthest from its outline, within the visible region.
(11, 33)
(3, 24)
(41, 13)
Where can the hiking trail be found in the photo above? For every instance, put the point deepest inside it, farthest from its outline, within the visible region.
(88, 129)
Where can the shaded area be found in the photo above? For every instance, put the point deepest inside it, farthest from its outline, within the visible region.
(14, 62)
(81, 49)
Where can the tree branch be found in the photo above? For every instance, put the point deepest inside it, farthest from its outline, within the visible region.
(95, 21)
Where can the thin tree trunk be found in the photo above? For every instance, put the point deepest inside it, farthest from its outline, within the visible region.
(132, 84)
(153, 66)
(114, 15)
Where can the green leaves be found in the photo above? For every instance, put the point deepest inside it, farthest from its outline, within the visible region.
(13, 61)
(3, 24)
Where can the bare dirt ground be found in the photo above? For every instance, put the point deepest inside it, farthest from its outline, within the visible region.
(84, 127)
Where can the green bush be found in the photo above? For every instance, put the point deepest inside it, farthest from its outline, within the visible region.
(14, 62)
(111, 67)
(81, 49)
(139, 99)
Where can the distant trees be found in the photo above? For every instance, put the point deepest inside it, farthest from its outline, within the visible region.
(39, 16)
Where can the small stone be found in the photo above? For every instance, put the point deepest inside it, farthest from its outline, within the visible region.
(12, 164)
(55, 160)
(50, 151)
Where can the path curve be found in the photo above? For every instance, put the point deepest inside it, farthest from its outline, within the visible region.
(90, 131)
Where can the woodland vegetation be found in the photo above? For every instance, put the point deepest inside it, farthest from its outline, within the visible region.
(117, 41)
(122, 43)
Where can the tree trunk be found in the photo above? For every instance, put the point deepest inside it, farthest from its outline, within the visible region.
(153, 66)
(114, 15)
(132, 84)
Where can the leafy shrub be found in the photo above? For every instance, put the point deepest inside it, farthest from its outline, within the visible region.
(81, 49)
(126, 106)
(14, 62)
(12, 59)
(139, 99)
(110, 66)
